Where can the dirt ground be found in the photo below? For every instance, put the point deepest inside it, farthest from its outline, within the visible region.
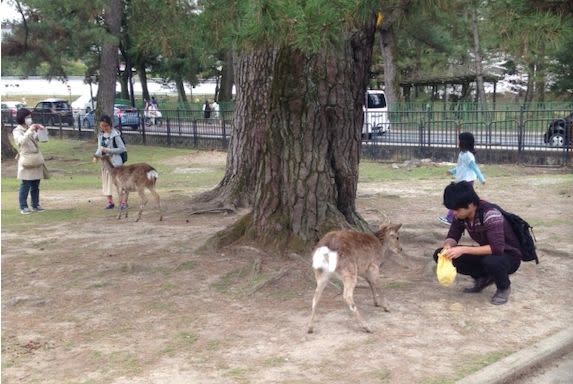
(101, 301)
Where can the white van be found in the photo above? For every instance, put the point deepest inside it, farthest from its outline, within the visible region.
(375, 114)
(84, 104)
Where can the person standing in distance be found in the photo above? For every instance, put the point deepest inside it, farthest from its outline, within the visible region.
(30, 161)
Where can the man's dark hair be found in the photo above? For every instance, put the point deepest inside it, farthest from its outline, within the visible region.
(105, 119)
(460, 195)
(22, 114)
(466, 142)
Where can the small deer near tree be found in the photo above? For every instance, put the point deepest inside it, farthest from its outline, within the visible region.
(131, 178)
(349, 254)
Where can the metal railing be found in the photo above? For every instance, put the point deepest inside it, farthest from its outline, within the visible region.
(505, 134)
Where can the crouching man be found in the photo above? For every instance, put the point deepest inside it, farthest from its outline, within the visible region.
(497, 255)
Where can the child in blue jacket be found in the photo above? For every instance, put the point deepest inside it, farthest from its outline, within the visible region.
(466, 169)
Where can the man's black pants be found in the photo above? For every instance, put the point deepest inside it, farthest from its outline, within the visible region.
(497, 266)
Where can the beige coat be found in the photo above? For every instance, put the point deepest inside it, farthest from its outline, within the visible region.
(27, 141)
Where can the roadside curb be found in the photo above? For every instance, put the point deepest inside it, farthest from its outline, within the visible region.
(523, 362)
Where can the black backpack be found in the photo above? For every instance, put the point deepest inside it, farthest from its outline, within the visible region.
(523, 231)
(124, 153)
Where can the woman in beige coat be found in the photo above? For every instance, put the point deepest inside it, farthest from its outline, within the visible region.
(30, 161)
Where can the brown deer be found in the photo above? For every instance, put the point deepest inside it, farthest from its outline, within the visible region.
(131, 178)
(348, 254)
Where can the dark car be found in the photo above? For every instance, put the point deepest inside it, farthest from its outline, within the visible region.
(128, 116)
(52, 112)
(559, 132)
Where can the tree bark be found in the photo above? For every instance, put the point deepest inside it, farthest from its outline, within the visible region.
(529, 92)
(8, 150)
(181, 95)
(308, 144)
(254, 74)
(109, 58)
(227, 78)
(540, 75)
(143, 80)
(478, 59)
(391, 75)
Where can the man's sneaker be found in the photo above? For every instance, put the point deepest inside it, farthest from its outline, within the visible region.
(501, 296)
(479, 285)
(25, 211)
(38, 209)
(444, 220)
(110, 206)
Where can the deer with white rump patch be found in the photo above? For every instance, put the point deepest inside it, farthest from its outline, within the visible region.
(349, 254)
(131, 178)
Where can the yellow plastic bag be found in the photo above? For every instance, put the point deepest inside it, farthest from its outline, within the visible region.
(445, 271)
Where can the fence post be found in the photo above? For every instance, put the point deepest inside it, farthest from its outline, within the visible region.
(143, 136)
(61, 129)
(520, 130)
(79, 127)
(224, 132)
(194, 123)
(168, 134)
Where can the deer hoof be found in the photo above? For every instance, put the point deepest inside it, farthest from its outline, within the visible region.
(310, 330)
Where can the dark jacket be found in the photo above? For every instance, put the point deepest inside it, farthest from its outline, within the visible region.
(494, 231)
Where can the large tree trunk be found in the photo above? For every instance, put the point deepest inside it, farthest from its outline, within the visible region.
(109, 59)
(181, 95)
(309, 148)
(227, 78)
(251, 120)
(143, 81)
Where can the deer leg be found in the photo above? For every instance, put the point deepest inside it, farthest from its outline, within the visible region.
(120, 197)
(349, 285)
(142, 202)
(372, 276)
(322, 279)
(156, 195)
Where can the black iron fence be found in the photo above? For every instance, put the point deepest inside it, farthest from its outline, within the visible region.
(512, 134)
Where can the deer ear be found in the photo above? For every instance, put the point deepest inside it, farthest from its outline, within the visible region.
(397, 227)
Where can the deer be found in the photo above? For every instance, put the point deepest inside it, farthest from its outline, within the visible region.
(348, 254)
(131, 178)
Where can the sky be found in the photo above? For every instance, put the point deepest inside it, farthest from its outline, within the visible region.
(8, 11)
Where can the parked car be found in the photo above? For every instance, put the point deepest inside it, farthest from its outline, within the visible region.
(559, 132)
(9, 110)
(84, 104)
(376, 121)
(52, 112)
(127, 115)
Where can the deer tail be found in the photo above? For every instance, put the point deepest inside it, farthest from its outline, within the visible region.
(152, 175)
(325, 259)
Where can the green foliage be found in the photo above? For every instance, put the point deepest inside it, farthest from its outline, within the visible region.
(308, 25)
